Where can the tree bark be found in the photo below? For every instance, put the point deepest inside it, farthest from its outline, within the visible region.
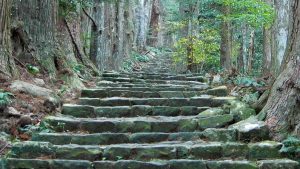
(281, 32)
(251, 52)
(154, 24)
(267, 45)
(7, 65)
(283, 107)
(267, 57)
(226, 45)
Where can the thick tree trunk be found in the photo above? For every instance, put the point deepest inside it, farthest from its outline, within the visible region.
(154, 24)
(226, 46)
(34, 32)
(7, 65)
(283, 106)
(267, 44)
(281, 32)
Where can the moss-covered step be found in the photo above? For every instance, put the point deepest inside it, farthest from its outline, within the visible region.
(158, 93)
(149, 87)
(156, 76)
(222, 135)
(163, 151)
(175, 164)
(12, 163)
(137, 124)
(133, 80)
(204, 101)
(85, 111)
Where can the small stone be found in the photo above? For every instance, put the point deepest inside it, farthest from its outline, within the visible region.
(241, 110)
(211, 112)
(251, 130)
(278, 164)
(217, 79)
(10, 111)
(52, 103)
(218, 91)
(39, 82)
(24, 121)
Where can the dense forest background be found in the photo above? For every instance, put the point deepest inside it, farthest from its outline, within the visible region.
(74, 40)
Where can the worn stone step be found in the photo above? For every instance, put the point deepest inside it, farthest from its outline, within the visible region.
(163, 151)
(221, 135)
(153, 88)
(156, 93)
(134, 80)
(127, 84)
(45, 163)
(156, 77)
(11, 163)
(203, 101)
(198, 164)
(85, 111)
(137, 124)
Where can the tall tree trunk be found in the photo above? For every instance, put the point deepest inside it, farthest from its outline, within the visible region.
(226, 46)
(281, 31)
(154, 24)
(267, 57)
(35, 26)
(251, 52)
(226, 42)
(283, 107)
(267, 45)
(7, 65)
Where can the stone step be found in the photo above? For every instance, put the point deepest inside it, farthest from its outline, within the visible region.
(130, 164)
(221, 135)
(137, 124)
(156, 77)
(144, 152)
(203, 101)
(153, 88)
(45, 163)
(133, 80)
(84, 111)
(159, 93)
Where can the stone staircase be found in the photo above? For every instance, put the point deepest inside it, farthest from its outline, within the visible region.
(149, 121)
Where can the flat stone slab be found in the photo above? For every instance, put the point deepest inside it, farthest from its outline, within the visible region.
(251, 129)
(154, 164)
(85, 111)
(162, 151)
(154, 93)
(278, 164)
(204, 101)
(223, 135)
(137, 124)
(46, 164)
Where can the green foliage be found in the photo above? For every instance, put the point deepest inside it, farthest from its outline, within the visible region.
(252, 12)
(33, 69)
(247, 82)
(291, 147)
(78, 68)
(134, 58)
(68, 6)
(140, 58)
(201, 49)
(5, 99)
